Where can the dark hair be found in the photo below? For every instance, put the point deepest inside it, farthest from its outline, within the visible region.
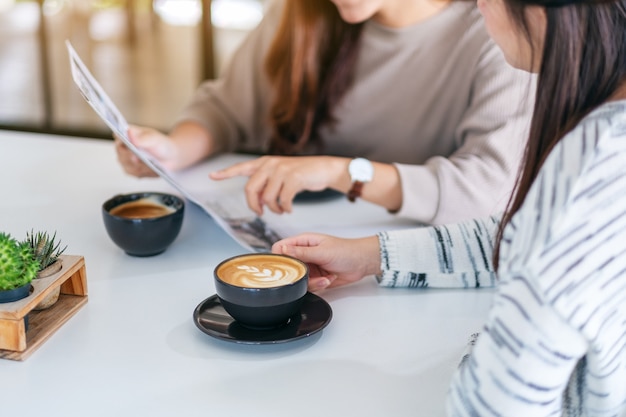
(311, 65)
(583, 63)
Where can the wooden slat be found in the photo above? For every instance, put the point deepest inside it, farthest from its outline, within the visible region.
(13, 334)
(43, 324)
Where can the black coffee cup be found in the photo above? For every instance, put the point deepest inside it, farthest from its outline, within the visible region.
(261, 291)
(143, 223)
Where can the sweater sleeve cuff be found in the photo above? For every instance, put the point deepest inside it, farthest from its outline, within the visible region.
(420, 192)
(397, 252)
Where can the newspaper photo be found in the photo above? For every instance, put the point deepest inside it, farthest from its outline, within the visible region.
(230, 213)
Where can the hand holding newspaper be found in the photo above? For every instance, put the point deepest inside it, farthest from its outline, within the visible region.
(244, 226)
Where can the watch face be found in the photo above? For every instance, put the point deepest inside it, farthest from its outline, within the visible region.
(361, 170)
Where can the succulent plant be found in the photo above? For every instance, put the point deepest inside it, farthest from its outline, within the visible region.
(46, 249)
(17, 266)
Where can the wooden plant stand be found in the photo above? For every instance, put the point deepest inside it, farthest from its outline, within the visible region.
(16, 342)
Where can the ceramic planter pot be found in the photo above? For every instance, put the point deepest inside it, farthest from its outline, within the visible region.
(53, 296)
(15, 294)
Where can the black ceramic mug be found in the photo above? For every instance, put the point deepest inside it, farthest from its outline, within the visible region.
(261, 290)
(143, 223)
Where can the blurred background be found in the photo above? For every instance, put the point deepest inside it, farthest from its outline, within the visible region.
(149, 56)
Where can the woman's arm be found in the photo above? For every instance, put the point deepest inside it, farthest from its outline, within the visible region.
(479, 175)
(332, 261)
(187, 144)
(275, 180)
(233, 108)
(224, 114)
(450, 256)
(453, 256)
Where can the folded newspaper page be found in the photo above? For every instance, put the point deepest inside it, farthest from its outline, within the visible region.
(231, 214)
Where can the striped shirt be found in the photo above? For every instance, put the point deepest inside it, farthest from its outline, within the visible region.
(554, 343)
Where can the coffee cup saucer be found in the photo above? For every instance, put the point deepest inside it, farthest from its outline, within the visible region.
(211, 318)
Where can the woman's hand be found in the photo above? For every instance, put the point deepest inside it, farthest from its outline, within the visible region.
(156, 144)
(333, 261)
(275, 180)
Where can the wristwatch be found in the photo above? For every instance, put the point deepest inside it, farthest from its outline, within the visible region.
(361, 171)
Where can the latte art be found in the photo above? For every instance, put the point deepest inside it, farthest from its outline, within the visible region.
(261, 271)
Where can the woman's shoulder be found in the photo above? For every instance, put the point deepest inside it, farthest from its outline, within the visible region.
(273, 9)
(584, 180)
(603, 127)
(596, 141)
(612, 112)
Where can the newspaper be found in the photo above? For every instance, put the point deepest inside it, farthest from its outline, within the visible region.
(230, 214)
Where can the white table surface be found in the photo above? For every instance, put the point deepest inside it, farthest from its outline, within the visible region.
(133, 349)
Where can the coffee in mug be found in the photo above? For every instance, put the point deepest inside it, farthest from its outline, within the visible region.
(142, 208)
(143, 223)
(261, 271)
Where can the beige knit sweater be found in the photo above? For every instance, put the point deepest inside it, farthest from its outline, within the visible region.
(436, 98)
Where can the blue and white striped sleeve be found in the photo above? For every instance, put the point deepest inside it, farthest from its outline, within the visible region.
(450, 256)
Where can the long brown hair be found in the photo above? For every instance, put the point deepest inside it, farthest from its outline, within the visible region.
(311, 65)
(583, 63)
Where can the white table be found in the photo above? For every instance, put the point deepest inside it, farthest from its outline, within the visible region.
(133, 349)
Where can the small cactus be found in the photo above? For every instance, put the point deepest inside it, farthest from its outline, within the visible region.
(17, 266)
(45, 248)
